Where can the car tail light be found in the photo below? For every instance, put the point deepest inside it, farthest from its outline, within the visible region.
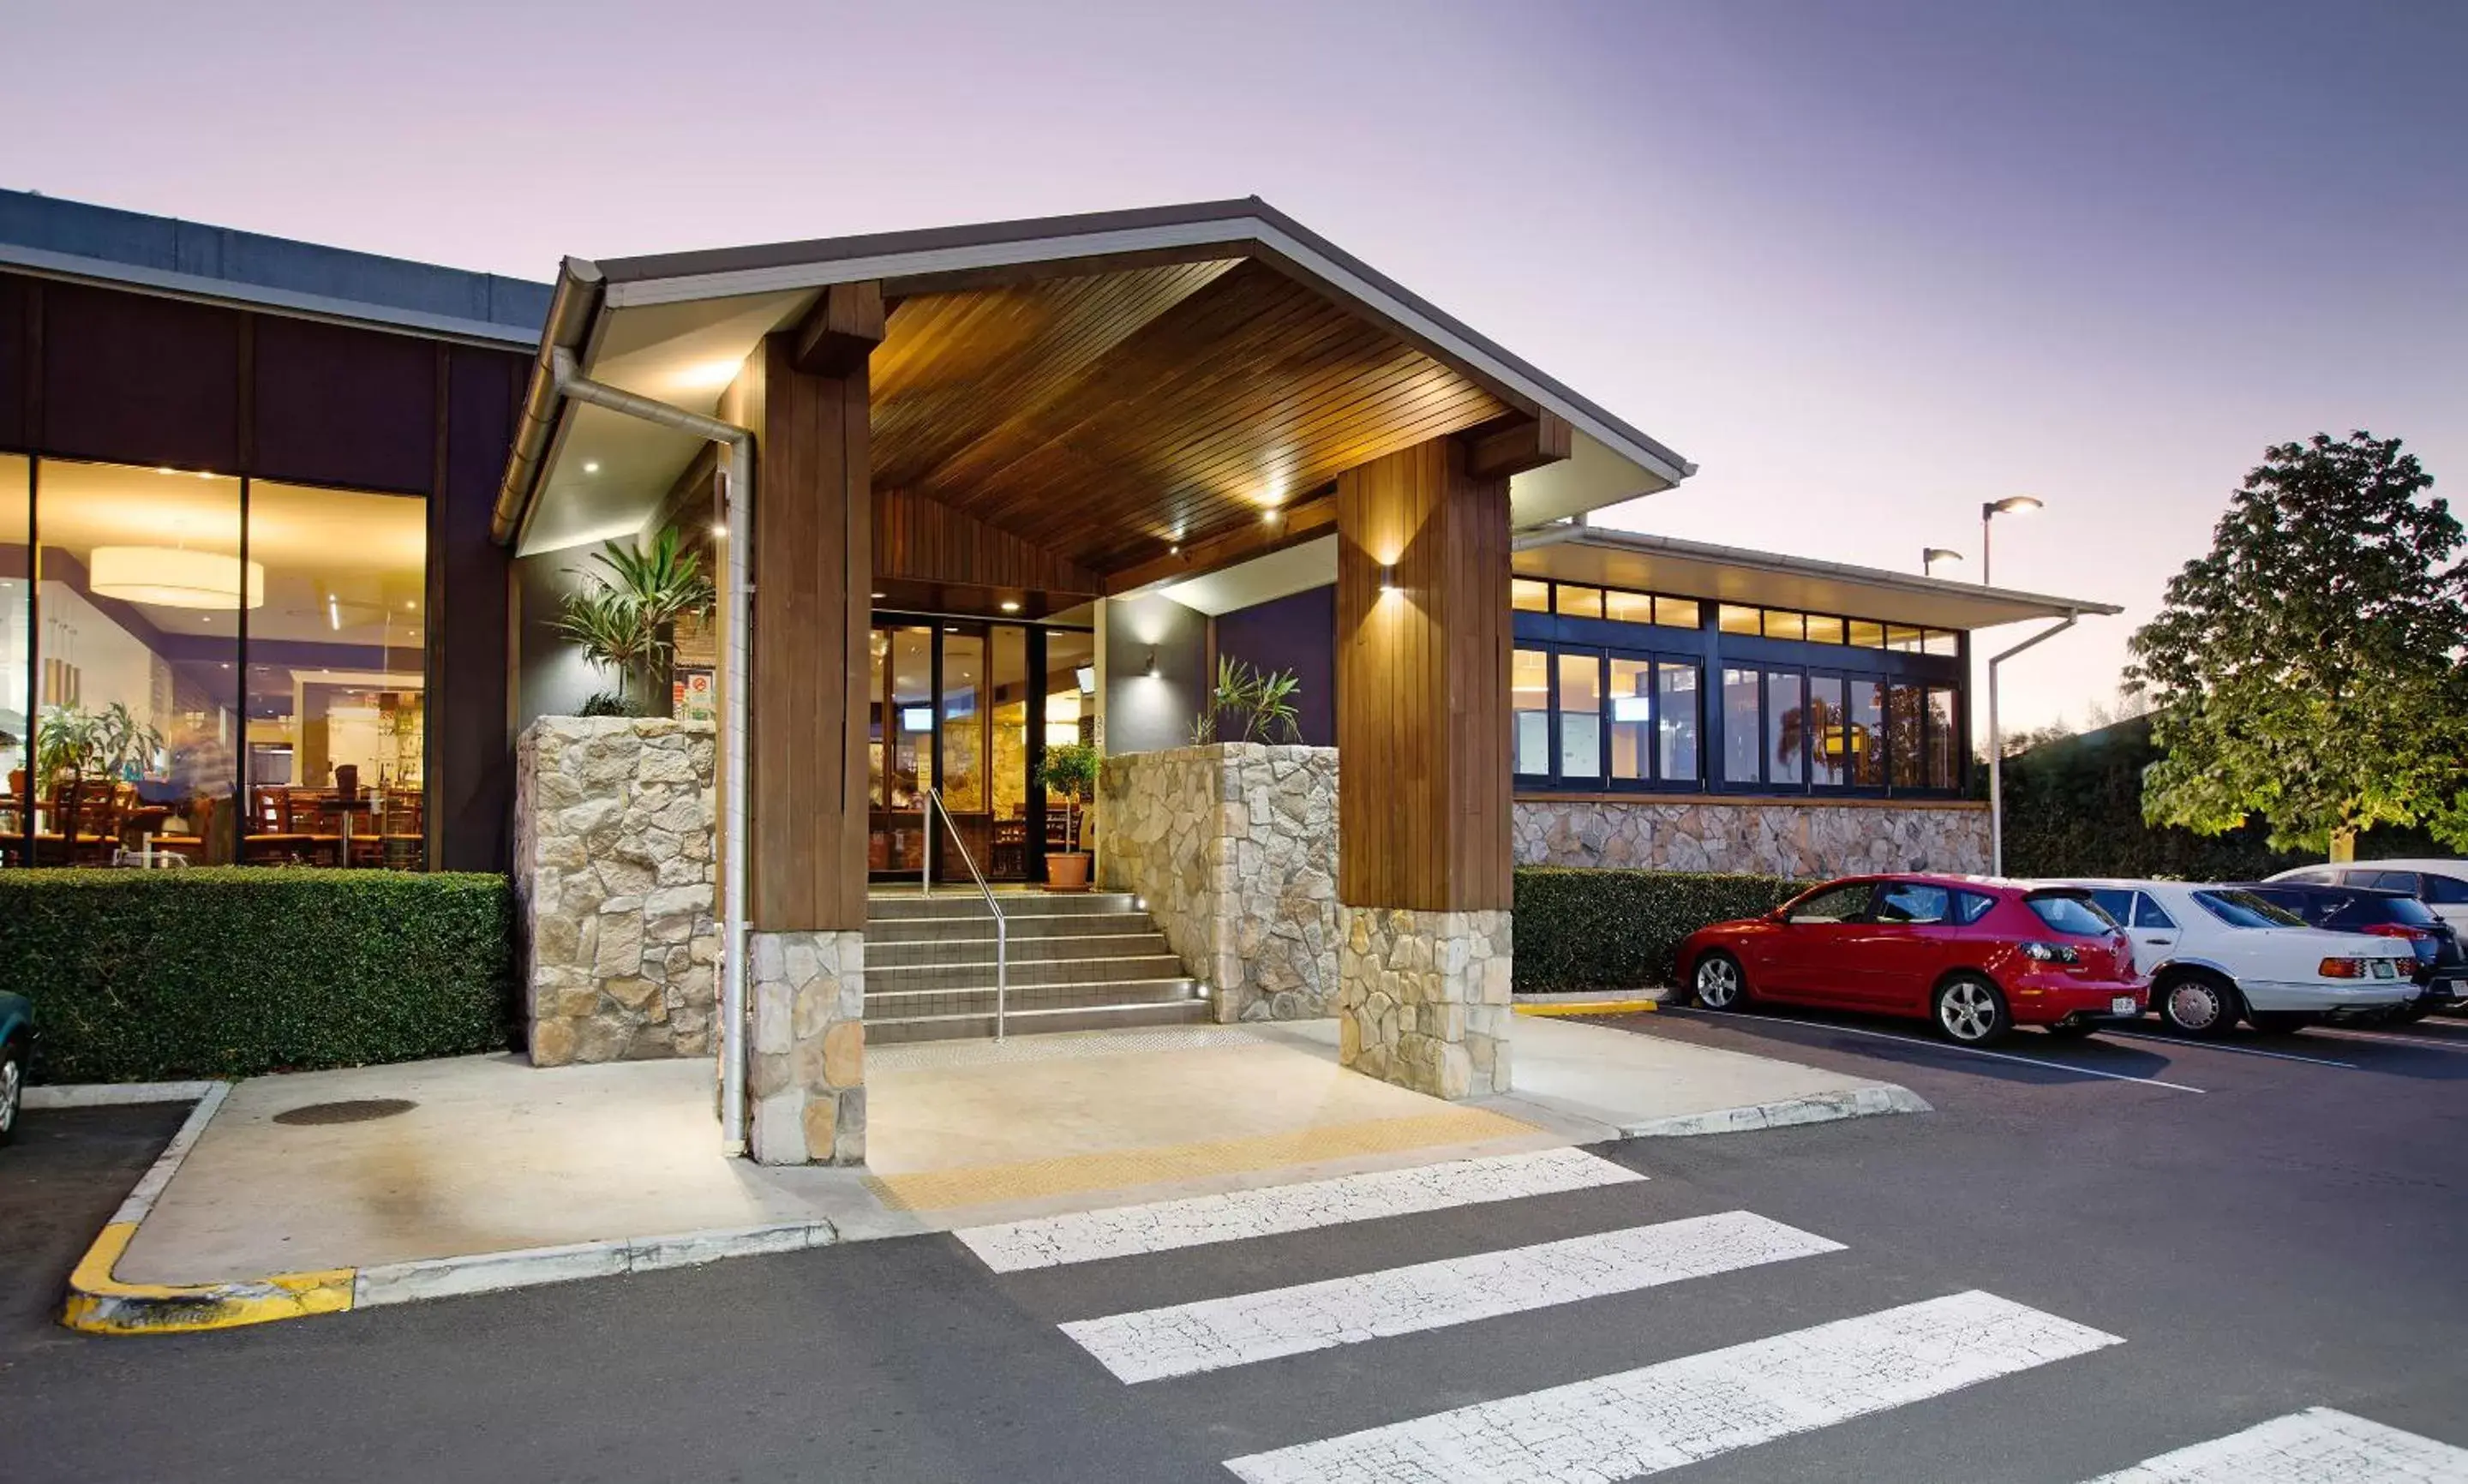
(2051, 953)
(2425, 945)
(2342, 968)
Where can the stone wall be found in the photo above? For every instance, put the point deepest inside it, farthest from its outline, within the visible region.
(1798, 839)
(1424, 998)
(1234, 847)
(614, 874)
(806, 1074)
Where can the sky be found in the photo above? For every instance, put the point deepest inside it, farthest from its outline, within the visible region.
(1867, 264)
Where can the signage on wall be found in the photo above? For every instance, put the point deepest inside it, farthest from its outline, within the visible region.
(693, 696)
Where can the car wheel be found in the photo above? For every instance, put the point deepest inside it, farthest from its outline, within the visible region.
(2198, 1005)
(12, 1089)
(1718, 982)
(1970, 1011)
(2278, 1023)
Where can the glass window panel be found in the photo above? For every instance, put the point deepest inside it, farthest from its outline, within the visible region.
(1743, 727)
(140, 585)
(912, 718)
(1786, 726)
(16, 651)
(1675, 723)
(1732, 619)
(1829, 733)
(1938, 641)
(1780, 625)
(1580, 602)
(1822, 629)
(878, 650)
(1007, 778)
(1679, 613)
(337, 677)
(1530, 700)
(1905, 639)
(1581, 705)
(1631, 717)
(1529, 595)
(1867, 635)
(1070, 716)
(1628, 608)
(1903, 728)
(1867, 740)
(963, 774)
(1944, 743)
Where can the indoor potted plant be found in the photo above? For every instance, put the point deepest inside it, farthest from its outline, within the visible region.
(1070, 770)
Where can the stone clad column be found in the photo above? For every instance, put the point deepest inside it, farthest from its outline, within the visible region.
(1424, 872)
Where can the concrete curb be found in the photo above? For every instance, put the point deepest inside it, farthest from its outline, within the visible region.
(102, 1304)
(115, 1094)
(1814, 1108)
(1589, 1007)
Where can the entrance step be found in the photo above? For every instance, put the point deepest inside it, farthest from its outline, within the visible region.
(1076, 962)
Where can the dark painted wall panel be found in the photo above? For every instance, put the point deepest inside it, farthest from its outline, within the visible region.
(469, 696)
(343, 406)
(1296, 632)
(1144, 712)
(15, 326)
(140, 381)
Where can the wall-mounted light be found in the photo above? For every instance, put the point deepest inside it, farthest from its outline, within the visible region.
(1388, 578)
(1202, 990)
(1151, 665)
(591, 466)
(1009, 607)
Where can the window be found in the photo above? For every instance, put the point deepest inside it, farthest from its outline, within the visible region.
(1530, 704)
(1824, 630)
(1936, 641)
(1914, 902)
(1580, 602)
(1527, 595)
(2117, 902)
(1581, 706)
(1679, 613)
(1866, 635)
(1898, 637)
(1970, 906)
(2245, 909)
(1868, 734)
(2447, 891)
(1676, 721)
(2149, 913)
(1632, 723)
(1732, 619)
(1944, 743)
(2072, 912)
(1904, 728)
(1829, 744)
(2386, 880)
(1786, 726)
(1844, 903)
(16, 648)
(1780, 625)
(1743, 727)
(1627, 607)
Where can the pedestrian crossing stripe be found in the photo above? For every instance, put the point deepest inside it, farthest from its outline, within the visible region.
(2317, 1445)
(1187, 1338)
(1681, 1411)
(1272, 1210)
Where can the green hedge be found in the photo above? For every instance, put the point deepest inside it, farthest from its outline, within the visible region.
(1606, 929)
(141, 975)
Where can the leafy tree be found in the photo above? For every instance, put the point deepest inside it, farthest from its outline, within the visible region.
(2309, 669)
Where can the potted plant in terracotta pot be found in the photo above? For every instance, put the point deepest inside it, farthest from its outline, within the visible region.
(1070, 770)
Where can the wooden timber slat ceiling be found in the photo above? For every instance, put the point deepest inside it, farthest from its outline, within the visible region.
(1099, 418)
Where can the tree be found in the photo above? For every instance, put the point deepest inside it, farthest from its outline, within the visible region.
(2309, 669)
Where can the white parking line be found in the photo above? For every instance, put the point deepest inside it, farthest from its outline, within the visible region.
(2386, 1038)
(2317, 1445)
(2214, 1045)
(1698, 1406)
(1185, 1339)
(1947, 1045)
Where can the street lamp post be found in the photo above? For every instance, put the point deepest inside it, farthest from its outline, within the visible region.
(1930, 556)
(1988, 511)
(2012, 505)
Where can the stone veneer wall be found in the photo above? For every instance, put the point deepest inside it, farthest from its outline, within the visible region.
(1798, 839)
(807, 1075)
(1234, 847)
(1424, 998)
(614, 877)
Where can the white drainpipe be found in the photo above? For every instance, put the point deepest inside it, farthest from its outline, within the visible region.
(1997, 746)
(735, 600)
(1551, 535)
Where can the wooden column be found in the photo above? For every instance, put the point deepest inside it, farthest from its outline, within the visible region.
(1422, 690)
(812, 567)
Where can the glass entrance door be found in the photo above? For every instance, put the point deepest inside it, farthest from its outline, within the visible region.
(952, 705)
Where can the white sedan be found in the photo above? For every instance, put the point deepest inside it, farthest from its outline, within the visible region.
(2215, 955)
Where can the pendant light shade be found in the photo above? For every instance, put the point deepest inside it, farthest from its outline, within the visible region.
(170, 577)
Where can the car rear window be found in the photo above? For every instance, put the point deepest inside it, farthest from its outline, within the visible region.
(2072, 912)
(2245, 909)
(2448, 890)
(2383, 909)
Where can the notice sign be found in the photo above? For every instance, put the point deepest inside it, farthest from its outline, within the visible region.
(695, 697)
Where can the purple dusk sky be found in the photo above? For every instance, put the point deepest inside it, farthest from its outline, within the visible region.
(1866, 264)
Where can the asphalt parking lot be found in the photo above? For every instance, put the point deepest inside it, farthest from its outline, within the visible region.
(66, 1172)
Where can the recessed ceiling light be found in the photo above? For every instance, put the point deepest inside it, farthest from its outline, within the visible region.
(1009, 607)
(408, 605)
(1175, 549)
(591, 466)
(877, 595)
(167, 471)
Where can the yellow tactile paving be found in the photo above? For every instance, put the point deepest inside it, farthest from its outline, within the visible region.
(940, 1190)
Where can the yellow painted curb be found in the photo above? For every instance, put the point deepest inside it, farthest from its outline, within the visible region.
(99, 1304)
(1593, 1007)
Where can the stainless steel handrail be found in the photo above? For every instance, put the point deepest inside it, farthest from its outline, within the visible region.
(933, 800)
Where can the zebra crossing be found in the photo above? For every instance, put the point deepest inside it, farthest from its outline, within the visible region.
(1628, 1424)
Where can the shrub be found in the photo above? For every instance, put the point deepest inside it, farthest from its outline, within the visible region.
(1608, 929)
(138, 975)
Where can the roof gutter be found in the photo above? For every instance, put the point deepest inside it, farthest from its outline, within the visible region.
(571, 311)
(1551, 535)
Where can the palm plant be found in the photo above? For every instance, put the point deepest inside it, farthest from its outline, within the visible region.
(622, 619)
(1260, 702)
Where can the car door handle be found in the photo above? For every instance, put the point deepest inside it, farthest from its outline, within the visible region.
(2159, 943)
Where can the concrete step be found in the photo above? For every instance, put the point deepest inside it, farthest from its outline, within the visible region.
(972, 949)
(980, 1026)
(1020, 925)
(964, 902)
(925, 999)
(1052, 971)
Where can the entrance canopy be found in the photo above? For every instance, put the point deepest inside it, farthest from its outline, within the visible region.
(1096, 404)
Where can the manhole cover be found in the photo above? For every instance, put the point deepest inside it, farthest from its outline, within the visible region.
(358, 1110)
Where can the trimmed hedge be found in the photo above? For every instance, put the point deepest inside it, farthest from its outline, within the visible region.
(145, 976)
(1582, 928)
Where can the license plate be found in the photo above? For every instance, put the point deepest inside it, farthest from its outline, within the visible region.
(2122, 1005)
(2385, 969)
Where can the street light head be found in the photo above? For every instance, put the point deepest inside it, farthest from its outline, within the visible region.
(2013, 505)
(1934, 555)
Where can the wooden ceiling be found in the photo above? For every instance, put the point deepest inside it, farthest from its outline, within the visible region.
(1102, 418)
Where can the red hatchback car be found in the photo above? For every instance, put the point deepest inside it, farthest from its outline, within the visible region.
(1978, 957)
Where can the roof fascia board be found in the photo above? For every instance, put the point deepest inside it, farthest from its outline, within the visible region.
(1253, 228)
(166, 283)
(1815, 567)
